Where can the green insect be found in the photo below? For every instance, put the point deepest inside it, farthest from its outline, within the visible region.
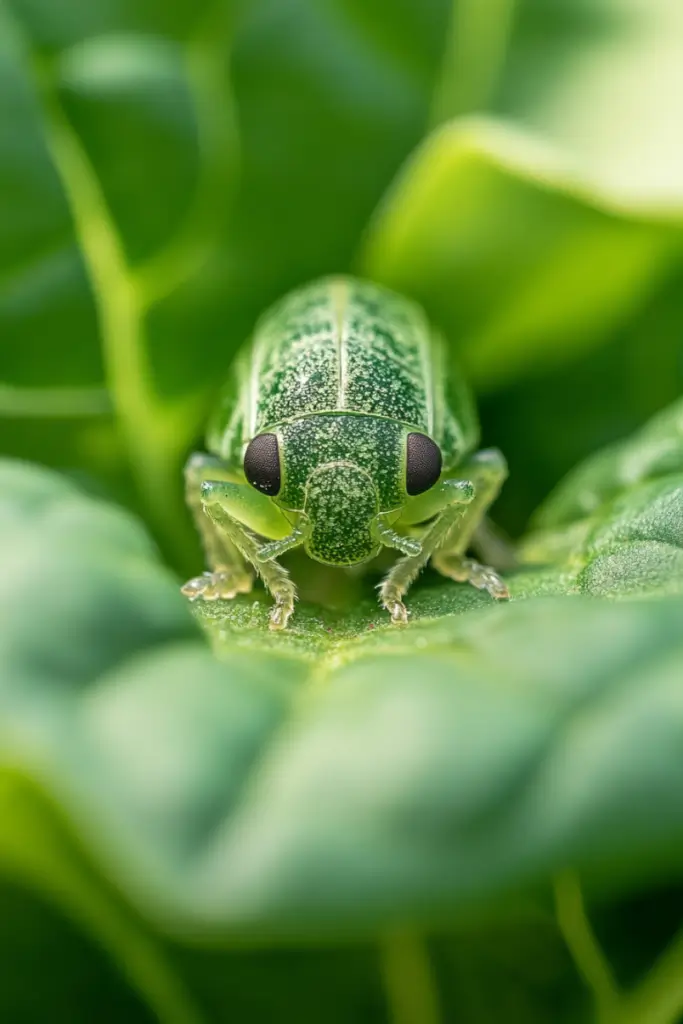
(343, 430)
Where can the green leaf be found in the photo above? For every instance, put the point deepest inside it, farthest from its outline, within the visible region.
(482, 224)
(569, 74)
(334, 783)
(259, 794)
(332, 96)
(616, 522)
(347, 821)
(535, 225)
(563, 70)
(548, 424)
(124, 233)
(117, 163)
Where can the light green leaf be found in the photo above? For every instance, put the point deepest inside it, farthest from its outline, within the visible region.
(601, 80)
(535, 223)
(616, 522)
(260, 794)
(481, 226)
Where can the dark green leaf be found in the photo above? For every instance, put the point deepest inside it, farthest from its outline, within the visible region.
(333, 97)
(131, 272)
(548, 424)
(118, 161)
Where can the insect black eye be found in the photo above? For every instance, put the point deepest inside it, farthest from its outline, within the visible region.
(423, 463)
(262, 464)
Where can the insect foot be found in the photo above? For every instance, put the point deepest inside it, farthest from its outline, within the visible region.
(282, 612)
(221, 585)
(390, 599)
(466, 570)
(398, 612)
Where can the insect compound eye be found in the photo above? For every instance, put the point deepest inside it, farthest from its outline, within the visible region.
(423, 463)
(262, 464)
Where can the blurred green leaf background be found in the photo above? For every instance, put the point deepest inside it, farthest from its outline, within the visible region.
(477, 819)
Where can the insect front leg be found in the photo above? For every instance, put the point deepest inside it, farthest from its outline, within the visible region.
(236, 510)
(488, 470)
(448, 537)
(448, 502)
(229, 574)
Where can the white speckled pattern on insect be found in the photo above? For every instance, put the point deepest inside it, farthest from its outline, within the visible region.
(340, 379)
(335, 347)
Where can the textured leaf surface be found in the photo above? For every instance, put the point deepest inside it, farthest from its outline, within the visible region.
(616, 522)
(397, 775)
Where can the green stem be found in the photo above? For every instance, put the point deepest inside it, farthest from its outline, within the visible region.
(409, 980)
(156, 432)
(150, 428)
(201, 233)
(583, 945)
(475, 51)
(54, 403)
(659, 998)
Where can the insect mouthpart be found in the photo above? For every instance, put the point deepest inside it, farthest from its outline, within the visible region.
(341, 504)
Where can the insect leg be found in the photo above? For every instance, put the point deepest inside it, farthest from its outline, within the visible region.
(454, 499)
(448, 537)
(275, 578)
(228, 574)
(488, 470)
(493, 546)
(391, 539)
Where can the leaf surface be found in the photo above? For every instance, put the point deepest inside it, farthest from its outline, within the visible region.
(616, 521)
(117, 162)
(546, 208)
(337, 779)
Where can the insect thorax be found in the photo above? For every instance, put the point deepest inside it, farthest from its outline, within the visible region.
(375, 445)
